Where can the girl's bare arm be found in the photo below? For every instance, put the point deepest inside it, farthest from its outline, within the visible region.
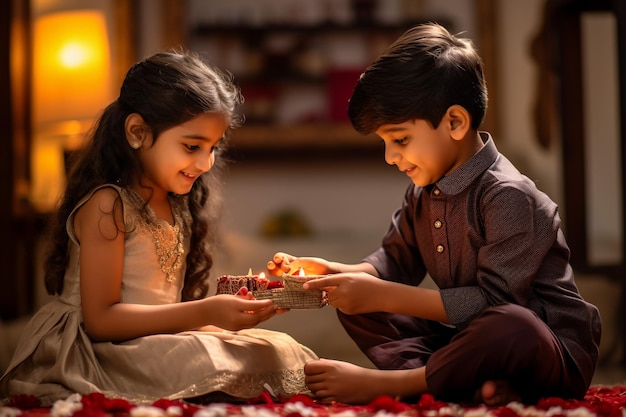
(101, 268)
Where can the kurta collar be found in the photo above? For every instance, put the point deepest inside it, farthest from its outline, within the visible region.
(464, 175)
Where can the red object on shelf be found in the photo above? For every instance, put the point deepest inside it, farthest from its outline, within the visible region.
(341, 82)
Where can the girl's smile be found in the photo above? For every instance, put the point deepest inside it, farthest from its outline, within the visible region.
(190, 177)
(180, 155)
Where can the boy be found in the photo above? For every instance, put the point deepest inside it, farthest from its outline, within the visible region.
(507, 321)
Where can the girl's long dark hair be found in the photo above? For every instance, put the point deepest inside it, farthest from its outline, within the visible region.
(166, 89)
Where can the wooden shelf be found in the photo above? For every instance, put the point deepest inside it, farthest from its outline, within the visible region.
(202, 30)
(319, 136)
(292, 73)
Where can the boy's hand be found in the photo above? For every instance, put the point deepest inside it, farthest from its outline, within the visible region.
(351, 293)
(283, 263)
(280, 264)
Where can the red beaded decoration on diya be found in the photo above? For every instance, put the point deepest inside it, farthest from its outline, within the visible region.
(285, 292)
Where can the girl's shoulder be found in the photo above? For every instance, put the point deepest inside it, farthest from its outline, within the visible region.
(104, 196)
(102, 199)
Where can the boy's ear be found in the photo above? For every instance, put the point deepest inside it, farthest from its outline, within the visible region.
(459, 121)
(135, 129)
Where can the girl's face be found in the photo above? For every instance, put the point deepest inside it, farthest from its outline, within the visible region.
(181, 154)
(425, 154)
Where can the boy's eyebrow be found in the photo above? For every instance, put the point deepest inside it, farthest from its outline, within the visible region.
(391, 129)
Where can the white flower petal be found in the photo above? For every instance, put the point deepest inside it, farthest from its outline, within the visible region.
(147, 411)
(252, 411)
(174, 411)
(9, 412)
(300, 408)
(65, 408)
(213, 410)
(580, 412)
(477, 412)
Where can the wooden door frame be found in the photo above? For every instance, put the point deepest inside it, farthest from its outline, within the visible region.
(567, 23)
(22, 227)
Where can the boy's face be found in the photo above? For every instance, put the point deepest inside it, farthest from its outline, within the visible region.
(425, 154)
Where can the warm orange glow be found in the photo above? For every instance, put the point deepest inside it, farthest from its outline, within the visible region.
(71, 84)
(261, 275)
(301, 272)
(71, 65)
(47, 184)
(73, 55)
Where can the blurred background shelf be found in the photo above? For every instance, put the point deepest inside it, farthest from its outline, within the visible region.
(296, 74)
(311, 137)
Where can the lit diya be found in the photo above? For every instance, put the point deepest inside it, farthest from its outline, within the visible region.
(286, 292)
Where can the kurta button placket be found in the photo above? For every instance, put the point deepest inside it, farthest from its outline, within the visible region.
(439, 235)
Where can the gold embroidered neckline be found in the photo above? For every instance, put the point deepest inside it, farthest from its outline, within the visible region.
(168, 239)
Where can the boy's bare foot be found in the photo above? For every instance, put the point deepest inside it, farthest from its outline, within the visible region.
(498, 392)
(346, 383)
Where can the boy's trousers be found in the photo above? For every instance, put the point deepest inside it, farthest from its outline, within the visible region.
(506, 342)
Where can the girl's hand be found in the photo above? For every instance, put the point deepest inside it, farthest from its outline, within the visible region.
(283, 263)
(353, 292)
(243, 292)
(242, 311)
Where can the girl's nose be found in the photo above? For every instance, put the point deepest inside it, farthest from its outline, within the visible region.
(205, 163)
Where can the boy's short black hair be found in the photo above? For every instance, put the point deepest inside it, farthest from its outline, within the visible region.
(420, 76)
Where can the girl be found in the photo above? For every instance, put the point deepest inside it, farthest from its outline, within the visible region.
(131, 241)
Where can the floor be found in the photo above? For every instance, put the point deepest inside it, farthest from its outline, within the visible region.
(346, 207)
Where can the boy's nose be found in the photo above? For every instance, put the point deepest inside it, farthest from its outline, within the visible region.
(391, 156)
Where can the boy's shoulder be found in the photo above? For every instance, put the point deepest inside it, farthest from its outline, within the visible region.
(504, 188)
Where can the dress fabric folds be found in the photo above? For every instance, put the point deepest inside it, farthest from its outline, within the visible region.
(56, 357)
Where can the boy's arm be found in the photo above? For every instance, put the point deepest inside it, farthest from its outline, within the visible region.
(366, 267)
(419, 302)
(359, 292)
(282, 263)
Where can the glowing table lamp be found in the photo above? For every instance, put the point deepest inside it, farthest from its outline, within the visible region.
(71, 85)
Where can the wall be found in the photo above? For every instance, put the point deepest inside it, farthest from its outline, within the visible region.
(517, 22)
(348, 204)
(517, 74)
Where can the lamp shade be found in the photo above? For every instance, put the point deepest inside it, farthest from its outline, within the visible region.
(71, 85)
(71, 67)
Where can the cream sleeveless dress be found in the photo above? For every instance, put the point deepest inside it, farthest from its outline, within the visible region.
(55, 356)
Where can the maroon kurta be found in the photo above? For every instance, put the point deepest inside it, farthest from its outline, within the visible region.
(487, 237)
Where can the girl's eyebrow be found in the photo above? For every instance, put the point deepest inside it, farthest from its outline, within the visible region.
(195, 136)
(203, 138)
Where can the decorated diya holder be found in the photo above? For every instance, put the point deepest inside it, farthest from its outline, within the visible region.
(293, 295)
(286, 292)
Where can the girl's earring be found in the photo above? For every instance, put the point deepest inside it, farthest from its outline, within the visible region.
(136, 144)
